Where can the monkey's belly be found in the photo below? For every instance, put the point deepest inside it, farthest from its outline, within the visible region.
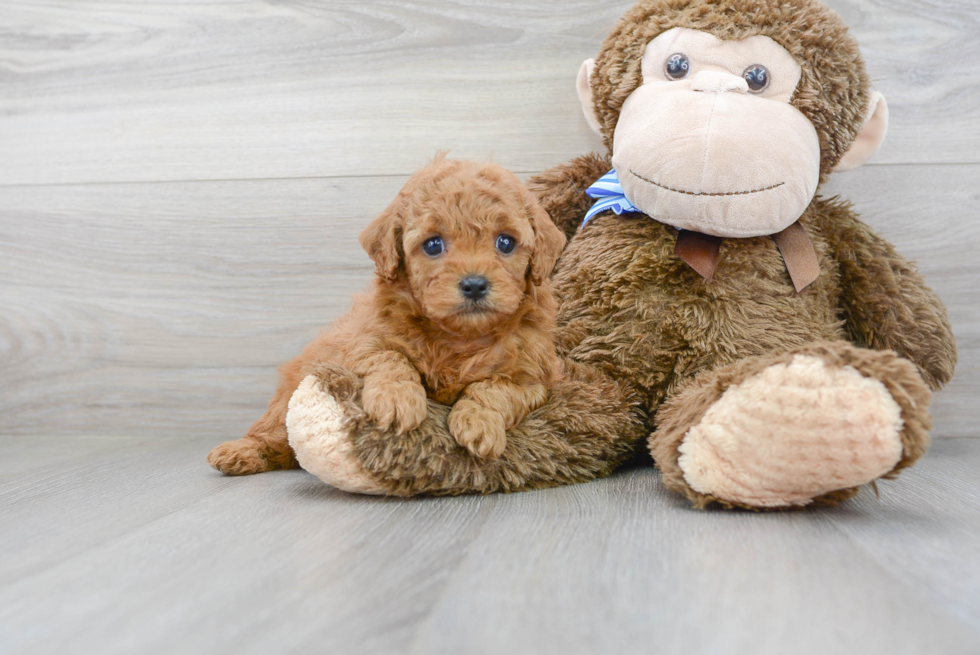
(628, 304)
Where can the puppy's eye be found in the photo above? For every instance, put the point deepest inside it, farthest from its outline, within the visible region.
(506, 244)
(757, 77)
(677, 66)
(433, 247)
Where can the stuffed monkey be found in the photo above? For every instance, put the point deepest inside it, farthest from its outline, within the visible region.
(769, 349)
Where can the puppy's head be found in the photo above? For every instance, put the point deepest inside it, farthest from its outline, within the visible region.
(468, 240)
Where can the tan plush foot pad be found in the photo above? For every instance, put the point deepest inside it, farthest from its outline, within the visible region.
(319, 433)
(795, 431)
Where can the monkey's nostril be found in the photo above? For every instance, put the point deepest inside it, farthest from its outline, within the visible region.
(718, 82)
(474, 287)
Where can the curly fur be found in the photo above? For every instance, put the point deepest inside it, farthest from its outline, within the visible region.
(415, 328)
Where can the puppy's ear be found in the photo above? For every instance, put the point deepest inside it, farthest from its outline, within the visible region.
(382, 238)
(549, 241)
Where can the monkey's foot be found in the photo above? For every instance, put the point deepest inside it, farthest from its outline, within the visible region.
(320, 427)
(812, 425)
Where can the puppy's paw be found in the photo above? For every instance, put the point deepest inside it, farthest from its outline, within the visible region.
(240, 457)
(480, 430)
(398, 405)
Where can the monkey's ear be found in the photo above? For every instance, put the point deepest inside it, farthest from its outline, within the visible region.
(549, 241)
(869, 139)
(382, 238)
(584, 87)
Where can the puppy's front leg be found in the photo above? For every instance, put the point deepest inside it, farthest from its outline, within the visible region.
(487, 409)
(393, 394)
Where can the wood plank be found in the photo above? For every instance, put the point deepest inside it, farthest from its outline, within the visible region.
(625, 565)
(94, 491)
(926, 531)
(233, 90)
(163, 309)
(147, 554)
(160, 554)
(27, 458)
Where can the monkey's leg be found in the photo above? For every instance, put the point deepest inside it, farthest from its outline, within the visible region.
(805, 427)
(589, 425)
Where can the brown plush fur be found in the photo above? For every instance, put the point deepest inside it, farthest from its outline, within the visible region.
(586, 428)
(561, 190)
(688, 407)
(632, 308)
(415, 334)
(647, 343)
(866, 293)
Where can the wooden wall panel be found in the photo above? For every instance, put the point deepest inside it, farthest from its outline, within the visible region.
(181, 185)
(155, 91)
(164, 307)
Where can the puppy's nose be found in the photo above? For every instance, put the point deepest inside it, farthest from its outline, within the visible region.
(474, 287)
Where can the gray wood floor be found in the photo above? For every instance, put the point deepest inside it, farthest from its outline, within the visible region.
(181, 189)
(135, 546)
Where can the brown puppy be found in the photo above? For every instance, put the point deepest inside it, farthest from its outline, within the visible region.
(461, 311)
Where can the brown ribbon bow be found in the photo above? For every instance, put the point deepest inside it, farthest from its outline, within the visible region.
(702, 252)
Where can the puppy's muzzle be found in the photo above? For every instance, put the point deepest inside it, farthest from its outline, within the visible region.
(474, 287)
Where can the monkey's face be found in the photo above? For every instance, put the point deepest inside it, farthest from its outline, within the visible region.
(710, 142)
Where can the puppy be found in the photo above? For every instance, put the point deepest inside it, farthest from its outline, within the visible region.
(461, 312)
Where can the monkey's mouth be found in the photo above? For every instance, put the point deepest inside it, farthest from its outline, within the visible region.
(701, 193)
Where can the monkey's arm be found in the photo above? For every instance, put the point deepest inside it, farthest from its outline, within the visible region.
(561, 190)
(885, 300)
(588, 425)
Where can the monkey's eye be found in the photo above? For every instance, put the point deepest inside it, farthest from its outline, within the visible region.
(677, 66)
(506, 244)
(433, 247)
(757, 77)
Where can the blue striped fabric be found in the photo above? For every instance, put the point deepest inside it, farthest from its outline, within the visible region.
(609, 193)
